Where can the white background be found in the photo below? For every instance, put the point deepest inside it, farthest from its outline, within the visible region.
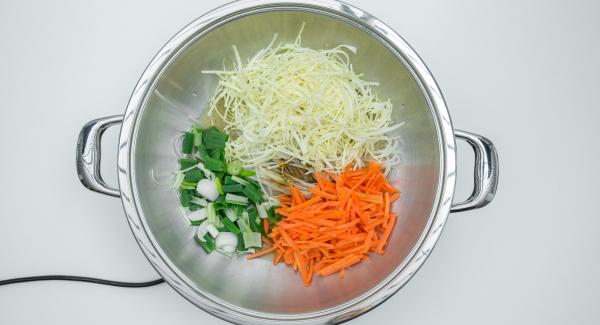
(523, 73)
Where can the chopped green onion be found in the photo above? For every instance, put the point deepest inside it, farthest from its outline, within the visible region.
(194, 208)
(221, 199)
(240, 244)
(210, 241)
(199, 201)
(207, 173)
(207, 243)
(226, 242)
(230, 226)
(251, 181)
(262, 211)
(274, 221)
(254, 220)
(233, 188)
(188, 143)
(252, 239)
(212, 230)
(194, 175)
(185, 197)
(201, 231)
(253, 193)
(219, 186)
(203, 245)
(209, 177)
(234, 169)
(196, 217)
(220, 203)
(230, 214)
(271, 211)
(252, 213)
(214, 139)
(189, 184)
(236, 199)
(214, 164)
(187, 163)
(179, 177)
(211, 215)
(202, 152)
(243, 222)
(216, 154)
(208, 189)
(239, 210)
(239, 180)
(247, 172)
(274, 217)
(197, 137)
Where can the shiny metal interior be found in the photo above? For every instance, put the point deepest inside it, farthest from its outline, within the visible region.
(180, 96)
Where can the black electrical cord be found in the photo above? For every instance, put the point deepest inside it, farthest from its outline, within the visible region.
(82, 279)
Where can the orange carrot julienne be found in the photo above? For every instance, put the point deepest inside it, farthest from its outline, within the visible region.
(282, 212)
(297, 197)
(316, 244)
(266, 225)
(262, 252)
(266, 241)
(347, 218)
(278, 256)
(316, 191)
(369, 197)
(387, 233)
(386, 206)
(304, 204)
(340, 265)
(285, 199)
(311, 270)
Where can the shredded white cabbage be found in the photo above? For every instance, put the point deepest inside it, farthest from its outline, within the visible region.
(304, 107)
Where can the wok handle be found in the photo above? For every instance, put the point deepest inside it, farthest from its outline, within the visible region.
(486, 172)
(88, 155)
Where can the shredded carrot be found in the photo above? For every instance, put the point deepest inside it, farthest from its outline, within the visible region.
(386, 208)
(303, 204)
(266, 225)
(297, 197)
(341, 264)
(386, 234)
(316, 191)
(285, 199)
(262, 252)
(278, 256)
(311, 270)
(347, 218)
(266, 241)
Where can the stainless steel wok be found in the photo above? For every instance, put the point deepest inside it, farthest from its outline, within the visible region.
(172, 93)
